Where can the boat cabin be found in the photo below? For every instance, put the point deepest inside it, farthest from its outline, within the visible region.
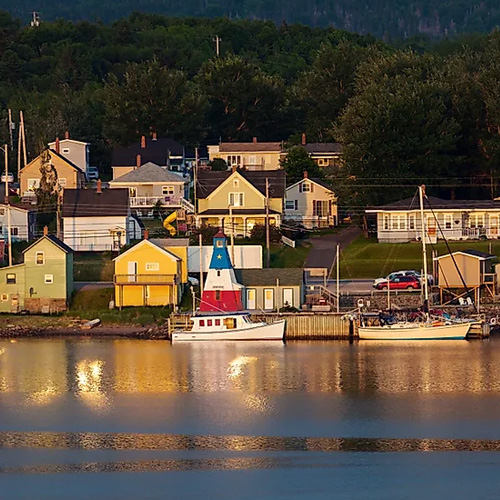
(207, 324)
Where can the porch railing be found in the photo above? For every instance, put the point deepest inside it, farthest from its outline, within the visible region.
(144, 279)
(151, 201)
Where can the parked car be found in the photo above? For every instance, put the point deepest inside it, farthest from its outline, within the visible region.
(430, 278)
(92, 174)
(10, 177)
(399, 283)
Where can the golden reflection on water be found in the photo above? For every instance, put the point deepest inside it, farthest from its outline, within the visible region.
(45, 369)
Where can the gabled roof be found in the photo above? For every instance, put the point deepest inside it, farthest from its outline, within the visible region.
(54, 240)
(149, 172)
(436, 204)
(208, 181)
(319, 182)
(472, 253)
(230, 147)
(90, 203)
(61, 157)
(165, 252)
(323, 148)
(62, 141)
(170, 242)
(269, 277)
(156, 151)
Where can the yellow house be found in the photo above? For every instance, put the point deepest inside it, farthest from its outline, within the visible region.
(149, 274)
(236, 200)
(68, 174)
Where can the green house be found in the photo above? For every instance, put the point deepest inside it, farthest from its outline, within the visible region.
(43, 283)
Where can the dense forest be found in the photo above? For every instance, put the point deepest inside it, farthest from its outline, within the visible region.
(404, 113)
(387, 18)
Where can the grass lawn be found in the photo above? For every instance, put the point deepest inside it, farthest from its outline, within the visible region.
(285, 256)
(365, 258)
(93, 266)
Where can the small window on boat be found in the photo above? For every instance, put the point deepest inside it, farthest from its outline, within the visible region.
(230, 323)
(209, 322)
(202, 322)
(217, 294)
(217, 322)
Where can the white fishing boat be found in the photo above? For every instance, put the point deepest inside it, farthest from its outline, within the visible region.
(426, 330)
(229, 326)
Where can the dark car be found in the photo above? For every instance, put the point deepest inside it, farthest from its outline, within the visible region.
(400, 283)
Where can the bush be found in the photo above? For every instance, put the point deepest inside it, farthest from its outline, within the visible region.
(207, 234)
(218, 164)
(258, 233)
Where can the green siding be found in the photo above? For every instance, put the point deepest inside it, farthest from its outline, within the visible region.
(12, 290)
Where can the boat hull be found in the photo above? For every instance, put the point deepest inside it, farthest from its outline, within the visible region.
(422, 332)
(271, 331)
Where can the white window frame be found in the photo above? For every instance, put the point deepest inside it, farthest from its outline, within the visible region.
(395, 222)
(65, 151)
(33, 184)
(168, 190)
(448, 221)
(152, 266)
(49, 279)
(306, 187)
(291, 205)
(236, 197)
(411, 222)
(236, 183)
(62, 181)
(5, 297)
(43, 258)
(14, 231)
(402, 222)
(386, 222)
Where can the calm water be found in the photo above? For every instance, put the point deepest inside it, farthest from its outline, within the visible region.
(144, 419)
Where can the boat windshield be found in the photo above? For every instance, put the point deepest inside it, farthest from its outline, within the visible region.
(230, 323)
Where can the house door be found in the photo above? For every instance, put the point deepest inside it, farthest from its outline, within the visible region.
(268, 299)
(288, 297)
(251, 299)
(132, 272)
(494, 226)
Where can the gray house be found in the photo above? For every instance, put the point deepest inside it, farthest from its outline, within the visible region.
(271, 289)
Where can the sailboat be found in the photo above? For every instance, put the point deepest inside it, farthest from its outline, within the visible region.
(427, 330)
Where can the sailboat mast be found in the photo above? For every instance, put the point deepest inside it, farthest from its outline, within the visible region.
(421, 193)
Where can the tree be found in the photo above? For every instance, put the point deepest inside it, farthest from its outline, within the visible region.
(47, 191)
(218, 164)
(296, 162)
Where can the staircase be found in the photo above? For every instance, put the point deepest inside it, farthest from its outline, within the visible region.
(187, 206)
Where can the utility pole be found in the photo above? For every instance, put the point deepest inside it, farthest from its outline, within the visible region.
(7, 201)
(195, 178)
(19, 139)
(200, 241)
(217, 41)
(232, 232)
(338, 278)
(23, 138)
(268, 252)
(11, 126)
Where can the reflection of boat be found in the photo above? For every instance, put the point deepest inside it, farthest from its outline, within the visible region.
(229, 326)
(428, 330)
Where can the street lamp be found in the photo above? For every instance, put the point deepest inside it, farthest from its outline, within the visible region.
(7, 200)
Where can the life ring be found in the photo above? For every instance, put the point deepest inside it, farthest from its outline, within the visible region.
(493, 321)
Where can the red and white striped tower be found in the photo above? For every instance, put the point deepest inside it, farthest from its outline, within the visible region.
(222, 292)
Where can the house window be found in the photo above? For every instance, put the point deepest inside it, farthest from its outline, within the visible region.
(11, 279)
(168, 190)
(65, 151)
(40, 259)
(5, 297)
(322, 162)
(447, 221)
(14, 231)
(386, 222)
(291, 205)
(236, 199)
(62, 181)
(217, 294)
(132, 192)
(320, 208)
(411, 222)
(402, 222)
(2, 211)
(152, 266)
(33, 184)
(306, 187)
(236, 183)
(234, 160)
(49, 279)
(395, 222)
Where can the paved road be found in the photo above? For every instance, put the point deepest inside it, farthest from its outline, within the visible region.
(324, 248)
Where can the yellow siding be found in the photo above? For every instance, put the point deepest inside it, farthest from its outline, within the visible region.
(181, 252)
(136, 295)
(74, 178)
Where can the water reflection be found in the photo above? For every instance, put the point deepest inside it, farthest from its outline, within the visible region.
(42, 370)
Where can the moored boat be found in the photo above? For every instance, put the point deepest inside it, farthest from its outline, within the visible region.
(229, 326)
(415, 331)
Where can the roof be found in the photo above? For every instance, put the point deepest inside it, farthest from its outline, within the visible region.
(90, 203)
(267, 277)
(436, 204)
(53, 239)
(149, 172)
(150, 243)
(62, 141)
(319, 182)
(170, 242)
(156, 151)
(208, 181)
(18, 206)
(323, 147)
(472, 253)
(229, 147)
(61, 157)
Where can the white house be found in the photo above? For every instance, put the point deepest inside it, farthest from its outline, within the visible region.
(311, 203)
(77, 152)
(151, 184)
(22, 223)
(451, 219)
(96, 220)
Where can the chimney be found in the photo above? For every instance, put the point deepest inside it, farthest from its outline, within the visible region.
(155, 137)
(305, 174)
(45, 230)
(58, 148)
(255, 140)
(143, 142)
(66, 134)
(304, 140)
(138, 160)
(146, 234)
(234, 168)
(98, 189)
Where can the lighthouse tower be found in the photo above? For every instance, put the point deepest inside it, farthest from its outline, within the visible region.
(222, 292)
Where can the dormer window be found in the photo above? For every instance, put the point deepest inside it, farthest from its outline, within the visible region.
(306, 187)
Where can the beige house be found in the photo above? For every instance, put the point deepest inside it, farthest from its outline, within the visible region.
(235, 200)
(311, 203)
(69, 175)
(249, 155)
(77, 152)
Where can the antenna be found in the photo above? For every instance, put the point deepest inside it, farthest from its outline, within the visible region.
(217, 41)
(35, 21)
